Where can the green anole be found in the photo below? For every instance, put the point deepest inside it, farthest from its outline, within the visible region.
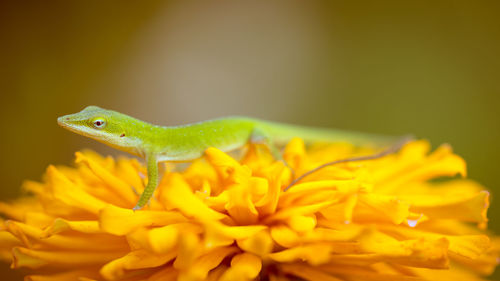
(187, 142)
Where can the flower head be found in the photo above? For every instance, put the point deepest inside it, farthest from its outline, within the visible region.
(393, 218)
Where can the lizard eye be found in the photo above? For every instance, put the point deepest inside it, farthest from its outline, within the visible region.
(99, 123)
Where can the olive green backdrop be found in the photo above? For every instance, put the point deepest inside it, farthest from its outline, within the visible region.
(431, 68)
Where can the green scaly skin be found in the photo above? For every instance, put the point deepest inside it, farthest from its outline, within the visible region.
(187, 142)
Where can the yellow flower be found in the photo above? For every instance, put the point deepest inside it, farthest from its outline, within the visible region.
(393, 218)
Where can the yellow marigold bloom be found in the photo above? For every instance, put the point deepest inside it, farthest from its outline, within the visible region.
(222, 219)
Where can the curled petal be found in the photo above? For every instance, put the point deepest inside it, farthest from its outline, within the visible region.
(228, 168)
(121, 221)
(296, 211)
(314, 254)
(177, 194)
(218, 234)
(243, 267)
(139, 259)
(372, 207)
(285, 236)
(269, 202)
(469, 246)
(259, 244)
(294, 153)
(205, 263)
(60, 225)
(240, 206)
(188, 250)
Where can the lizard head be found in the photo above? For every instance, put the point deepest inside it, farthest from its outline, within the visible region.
(103, 125)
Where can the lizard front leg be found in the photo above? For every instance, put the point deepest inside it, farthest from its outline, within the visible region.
(153, 179)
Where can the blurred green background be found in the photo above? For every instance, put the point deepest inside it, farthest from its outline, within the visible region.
(430, 68)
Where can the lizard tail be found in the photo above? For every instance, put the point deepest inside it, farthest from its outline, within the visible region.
(282, 133)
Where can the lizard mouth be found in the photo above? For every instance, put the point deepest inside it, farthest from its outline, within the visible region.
(70, 123)
(63, 121)
(66, 122)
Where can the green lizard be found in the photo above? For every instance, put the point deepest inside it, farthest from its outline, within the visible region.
(187, 142)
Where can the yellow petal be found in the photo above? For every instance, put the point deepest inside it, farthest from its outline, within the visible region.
(240, 206)
(228, 168)
(218, 202)
(372, 241)
(139, 259)
(415, 253)
(302, 223)
(422, 252)
(72, 195)
(215, 274)
(295, 211)
(259, 244)
(60, 225)
(14, 229)
(483, 265)
(121, 221)
(342, 212)
(439, 164)
(65, 276)
(275, 277)
(452, 274)
(177, 194)
(35, 259)
(268, 203)
(319, 191)
(343, 233)
(207, 262)
(380, 208)
(34, 187)
(243, 267)
(200, 173)
(390, 167)
(32, 235)
(294, 153)
(469, 246)
(218, 234)
(308, 272)
(258, 158)
(188, 250)
(248, 264)
(366, 273)
(319, 196)
(7, 240)
(314, 254)
(168, 273)
(117, 186)
(472, 209)
(285, 236)
(163, 239)
(19, 209)
(129, 171)
(301, 189)
(38, 219)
